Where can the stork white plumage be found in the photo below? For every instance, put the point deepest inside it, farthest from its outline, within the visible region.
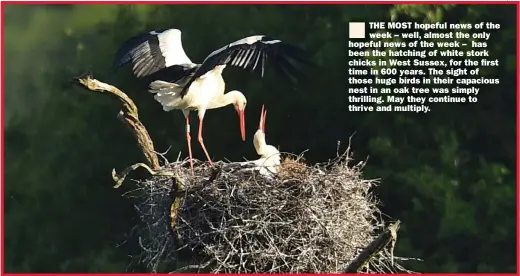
(169, 95)
(270, 160)
(178, 83)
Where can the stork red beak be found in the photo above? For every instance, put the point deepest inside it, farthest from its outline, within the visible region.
(263, 115)
(242, 124)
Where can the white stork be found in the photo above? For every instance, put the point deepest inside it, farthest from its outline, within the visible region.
(270, 160)
(178, 83)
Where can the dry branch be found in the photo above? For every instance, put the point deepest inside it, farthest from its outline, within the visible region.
(389, 236)
(129, 115)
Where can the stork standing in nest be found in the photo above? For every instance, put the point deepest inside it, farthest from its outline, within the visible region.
(178, 83)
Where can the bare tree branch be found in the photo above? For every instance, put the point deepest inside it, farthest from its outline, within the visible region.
(130, 117)
(389, 236)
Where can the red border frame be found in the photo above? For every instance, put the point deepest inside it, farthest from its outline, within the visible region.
(268, 2)
(245, 2)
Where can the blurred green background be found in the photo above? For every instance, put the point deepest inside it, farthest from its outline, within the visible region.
(449, 175)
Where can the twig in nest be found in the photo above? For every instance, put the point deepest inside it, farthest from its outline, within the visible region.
(177, 195)
(198, 266)
(388, 236)
(162, 155)
(119, 178)
(128, 115)
(215, 172)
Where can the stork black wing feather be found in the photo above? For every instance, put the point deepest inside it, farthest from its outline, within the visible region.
(251, 66)
(140, 66)
(290, 68)
(296, 53)
(123, 54)
(171, 74)
(280, 69)
(144, 51)
(248, 52)
(156, 63)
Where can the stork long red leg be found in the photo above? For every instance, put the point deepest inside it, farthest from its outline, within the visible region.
(188, 138)
(201, 141)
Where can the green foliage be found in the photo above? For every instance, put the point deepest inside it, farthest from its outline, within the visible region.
(448, 175)
(460, 179)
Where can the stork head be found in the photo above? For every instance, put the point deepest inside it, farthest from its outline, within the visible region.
(239, 102)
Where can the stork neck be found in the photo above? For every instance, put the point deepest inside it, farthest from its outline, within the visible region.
(218, 69)
(223, 100)
(269, 151)
(259, 142)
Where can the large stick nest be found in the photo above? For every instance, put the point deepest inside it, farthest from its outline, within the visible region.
(306, 219)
